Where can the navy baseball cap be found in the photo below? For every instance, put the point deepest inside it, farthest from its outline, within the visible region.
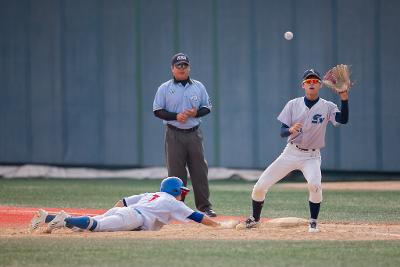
(311, 73)
(180, 58)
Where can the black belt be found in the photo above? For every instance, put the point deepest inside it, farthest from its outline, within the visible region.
(303, 149)
(183, 130)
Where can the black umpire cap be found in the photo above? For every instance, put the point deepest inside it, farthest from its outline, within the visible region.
(179, 59)
(311, 73)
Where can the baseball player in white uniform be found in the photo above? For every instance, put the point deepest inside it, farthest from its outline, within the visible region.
(148, 211)
(304, 121)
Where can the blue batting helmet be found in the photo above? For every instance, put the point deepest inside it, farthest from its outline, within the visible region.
(172, 186)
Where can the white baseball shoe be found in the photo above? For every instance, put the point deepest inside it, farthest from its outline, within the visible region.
(313, 227)
(38, 220)
(58, 221)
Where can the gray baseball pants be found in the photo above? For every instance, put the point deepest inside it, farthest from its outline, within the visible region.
(186, 150)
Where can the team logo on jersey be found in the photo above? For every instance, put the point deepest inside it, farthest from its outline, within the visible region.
(194, 98)
(317, 118)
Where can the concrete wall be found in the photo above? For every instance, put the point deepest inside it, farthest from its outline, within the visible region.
(78, 77)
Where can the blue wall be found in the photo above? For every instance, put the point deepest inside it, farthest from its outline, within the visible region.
(78, 77)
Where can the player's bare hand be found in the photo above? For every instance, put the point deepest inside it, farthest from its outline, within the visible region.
(191, 112)
(182, 117)
(295, 128)
(344, 95)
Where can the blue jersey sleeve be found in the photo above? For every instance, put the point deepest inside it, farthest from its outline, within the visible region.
(196, 216)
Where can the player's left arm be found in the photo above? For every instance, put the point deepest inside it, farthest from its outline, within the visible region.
(343, 116)
(183, 213)
(203, 219)
(209, 222)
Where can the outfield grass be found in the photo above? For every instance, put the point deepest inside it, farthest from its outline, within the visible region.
(229, 197)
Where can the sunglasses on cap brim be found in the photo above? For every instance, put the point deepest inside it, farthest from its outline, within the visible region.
(181, 65)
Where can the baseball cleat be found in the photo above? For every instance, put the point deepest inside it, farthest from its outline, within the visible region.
(248, 224)
(58, 221)
(313, 228)
(38, 220)
(210, 212)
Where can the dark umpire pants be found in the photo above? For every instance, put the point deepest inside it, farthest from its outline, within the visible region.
(186, 149)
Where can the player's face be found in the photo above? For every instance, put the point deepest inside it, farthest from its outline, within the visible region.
(311, 86)
(180, 71)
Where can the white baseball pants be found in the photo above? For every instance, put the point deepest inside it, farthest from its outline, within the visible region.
(118, 219)
(292, 158)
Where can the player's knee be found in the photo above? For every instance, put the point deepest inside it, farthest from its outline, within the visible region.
(259, 192)
(314, 187)
(315, 191)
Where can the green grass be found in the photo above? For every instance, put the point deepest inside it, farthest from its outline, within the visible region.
(229, 197)
(128, 252)
(70, 192)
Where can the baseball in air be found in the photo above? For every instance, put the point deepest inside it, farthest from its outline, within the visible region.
(288, 35)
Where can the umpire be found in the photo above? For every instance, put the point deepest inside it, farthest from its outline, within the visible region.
(181, 102)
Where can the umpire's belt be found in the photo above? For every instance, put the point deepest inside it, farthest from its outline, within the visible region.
(302, 149)
(183, 130)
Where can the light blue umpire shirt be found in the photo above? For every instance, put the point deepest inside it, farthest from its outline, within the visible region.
(174, 97)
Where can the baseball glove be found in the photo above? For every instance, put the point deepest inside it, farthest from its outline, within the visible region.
(338, 78)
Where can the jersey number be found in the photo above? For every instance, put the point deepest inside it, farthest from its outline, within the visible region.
(155, 196)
